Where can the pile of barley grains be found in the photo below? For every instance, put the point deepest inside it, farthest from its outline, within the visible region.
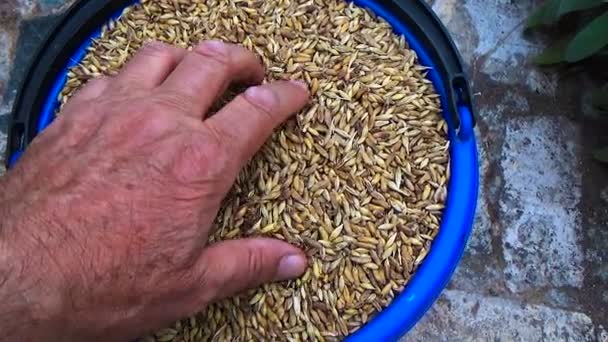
(358, 179)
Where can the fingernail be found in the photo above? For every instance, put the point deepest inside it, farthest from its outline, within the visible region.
(215, 45)
(291, 266)
(263, 96)
(300, 84)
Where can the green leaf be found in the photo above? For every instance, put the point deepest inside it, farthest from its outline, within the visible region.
(599, 98)
(589, 40)
(568, 6)
(601, 154)
(538, 17)
(552, 10)
(553, 54)
(603, 53)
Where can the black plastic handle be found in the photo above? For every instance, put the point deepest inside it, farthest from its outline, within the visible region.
(429, 30)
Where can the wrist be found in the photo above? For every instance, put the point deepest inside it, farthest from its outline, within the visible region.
(28, 306)
(18, 309)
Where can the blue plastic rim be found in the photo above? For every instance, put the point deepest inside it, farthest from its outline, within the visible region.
(435, 271)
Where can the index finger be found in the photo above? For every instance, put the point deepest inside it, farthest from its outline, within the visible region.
(247, 121)
(205, 73)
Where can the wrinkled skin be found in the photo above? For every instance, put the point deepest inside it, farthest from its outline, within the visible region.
(105, 219)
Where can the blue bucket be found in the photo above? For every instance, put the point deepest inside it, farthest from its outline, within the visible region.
(37, 103)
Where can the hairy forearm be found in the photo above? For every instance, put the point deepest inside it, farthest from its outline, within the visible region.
(17, 318)
(14, 311)
(24, 292)
(42, 293)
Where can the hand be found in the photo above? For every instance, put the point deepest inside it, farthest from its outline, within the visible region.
(107, 215)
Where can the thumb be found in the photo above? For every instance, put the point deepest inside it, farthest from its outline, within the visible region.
(229, 267)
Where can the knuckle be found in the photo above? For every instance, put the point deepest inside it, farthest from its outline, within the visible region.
(98, 82)
(155, 122)
(262, 105)
(216, 59)
(75, 110)
(140, 120)
(255, 262)
(192, 161)
(96, 86)
(81, 114)
(218, 139)
(204, 277)
(75, 129)
(204, 159)
(174, 101)
(158, 50)
(120, 88)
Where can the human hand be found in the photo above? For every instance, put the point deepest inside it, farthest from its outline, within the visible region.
(107, 215)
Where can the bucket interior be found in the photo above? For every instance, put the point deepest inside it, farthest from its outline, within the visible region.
(457, 219)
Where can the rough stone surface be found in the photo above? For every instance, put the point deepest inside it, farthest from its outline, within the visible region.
(5, 52)
(2, 146)
(536, 266)
(463, 316)
(480, 242)
(540, 203)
